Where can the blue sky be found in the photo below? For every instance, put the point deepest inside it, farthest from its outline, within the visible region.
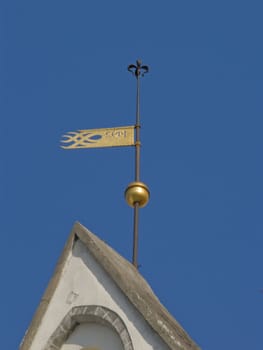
(63, 67)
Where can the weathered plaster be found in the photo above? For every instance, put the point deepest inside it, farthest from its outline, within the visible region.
(90, 272)
(84, 282)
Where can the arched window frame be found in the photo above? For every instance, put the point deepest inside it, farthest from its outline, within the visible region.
(89, 314)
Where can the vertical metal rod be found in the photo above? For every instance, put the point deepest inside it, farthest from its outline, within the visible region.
(137, 174)
(135, 235)
(137, 132)
(137, 70)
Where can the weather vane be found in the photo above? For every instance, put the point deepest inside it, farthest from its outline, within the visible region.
(137, 193)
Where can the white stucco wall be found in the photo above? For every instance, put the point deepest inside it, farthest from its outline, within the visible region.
(84, 282)
(93, 336)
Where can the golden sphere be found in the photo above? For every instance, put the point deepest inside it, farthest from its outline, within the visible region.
(137, 192)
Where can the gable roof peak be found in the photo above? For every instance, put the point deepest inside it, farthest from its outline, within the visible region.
(136, 289)
(127, 278)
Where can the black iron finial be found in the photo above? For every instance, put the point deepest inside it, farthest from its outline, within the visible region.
(139, 69)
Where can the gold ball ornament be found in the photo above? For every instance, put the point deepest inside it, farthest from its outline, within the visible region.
(137, 192)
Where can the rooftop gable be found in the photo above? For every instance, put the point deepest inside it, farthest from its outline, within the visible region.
(129, 281)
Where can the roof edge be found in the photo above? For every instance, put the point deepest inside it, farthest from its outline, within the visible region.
(149, 306)
(48, 294)
(144, 306)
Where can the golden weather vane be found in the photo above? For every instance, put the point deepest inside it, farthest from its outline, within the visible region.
(107, 137)
(137, 193)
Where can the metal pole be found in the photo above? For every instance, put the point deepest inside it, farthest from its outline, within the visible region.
(137, 174)
(137, 70)
(135, 235)
(137, 132)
